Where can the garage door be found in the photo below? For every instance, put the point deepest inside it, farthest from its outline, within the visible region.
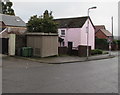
(4, 45)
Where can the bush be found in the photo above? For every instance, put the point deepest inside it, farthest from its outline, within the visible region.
(105, 52)
(118, 41)
(101, 44)
(101, 41)
(96, 51)
(115, 42)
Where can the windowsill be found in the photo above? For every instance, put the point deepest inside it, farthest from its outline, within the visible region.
(62, 36)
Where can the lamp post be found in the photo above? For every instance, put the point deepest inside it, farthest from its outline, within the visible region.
(88, 31)
(112, 27)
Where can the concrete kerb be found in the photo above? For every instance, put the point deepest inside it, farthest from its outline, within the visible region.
(63, 62)
(30, 58)
(85, 60)
(107, 57)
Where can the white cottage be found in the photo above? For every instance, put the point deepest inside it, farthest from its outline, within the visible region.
(9, 27)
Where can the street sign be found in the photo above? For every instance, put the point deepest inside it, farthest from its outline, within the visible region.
(109, 40)
(110, 47)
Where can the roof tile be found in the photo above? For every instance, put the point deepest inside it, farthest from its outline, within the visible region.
(12, 20)
(106, 32)
(77, 22)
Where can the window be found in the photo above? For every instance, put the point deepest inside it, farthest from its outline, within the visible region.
(63, 32)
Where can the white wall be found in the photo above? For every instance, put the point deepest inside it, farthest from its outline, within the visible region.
(11, 46)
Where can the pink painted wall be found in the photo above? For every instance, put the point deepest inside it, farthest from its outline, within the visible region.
(79, 36)
(91, 37)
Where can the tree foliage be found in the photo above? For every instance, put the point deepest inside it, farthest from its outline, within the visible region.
(7, 8)
(43, 23)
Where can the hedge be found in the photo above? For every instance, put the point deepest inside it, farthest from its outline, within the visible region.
(101, 44)
(96, 51)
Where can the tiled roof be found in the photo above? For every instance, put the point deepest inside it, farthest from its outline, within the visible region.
(12, 20)
(97, 27)
(77, 22)
(106, 32)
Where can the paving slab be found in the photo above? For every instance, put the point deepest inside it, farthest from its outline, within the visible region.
(62, 59)
(0, 60)
(67, 59)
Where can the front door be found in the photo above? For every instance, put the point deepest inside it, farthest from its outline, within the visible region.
(70, 45)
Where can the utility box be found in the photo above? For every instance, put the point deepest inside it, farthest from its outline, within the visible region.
(43, 44)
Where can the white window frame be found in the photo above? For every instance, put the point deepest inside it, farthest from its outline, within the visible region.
(62, 32)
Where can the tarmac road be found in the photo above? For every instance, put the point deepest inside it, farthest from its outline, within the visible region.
(23, 76)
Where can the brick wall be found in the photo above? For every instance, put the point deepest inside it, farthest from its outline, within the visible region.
(20, 42)
(62, 50)
(82, 51)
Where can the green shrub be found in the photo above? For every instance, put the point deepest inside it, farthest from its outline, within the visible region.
(96, 51)
(101, 44)
(105, 52)
(115, 42)
(118, 42)
(101, 41)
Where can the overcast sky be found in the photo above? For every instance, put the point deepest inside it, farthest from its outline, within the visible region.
(71, 8)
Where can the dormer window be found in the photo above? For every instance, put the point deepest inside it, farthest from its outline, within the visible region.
(17, 20)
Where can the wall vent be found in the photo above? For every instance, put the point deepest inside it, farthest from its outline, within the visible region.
(37, 51)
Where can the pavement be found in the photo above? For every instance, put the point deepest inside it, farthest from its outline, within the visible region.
(66, 59)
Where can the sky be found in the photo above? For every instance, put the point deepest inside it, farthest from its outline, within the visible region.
(71, 8)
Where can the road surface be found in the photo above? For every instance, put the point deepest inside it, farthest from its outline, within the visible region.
(23, 76)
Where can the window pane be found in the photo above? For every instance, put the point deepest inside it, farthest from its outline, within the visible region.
(62, 32)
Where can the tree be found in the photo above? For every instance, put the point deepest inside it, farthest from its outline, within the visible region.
(7, 8)
(43, 23)
(4, 8)
(34, 24)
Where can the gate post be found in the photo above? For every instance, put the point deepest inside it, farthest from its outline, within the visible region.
(11, 46)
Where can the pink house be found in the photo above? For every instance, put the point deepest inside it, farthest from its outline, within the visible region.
(74, 30)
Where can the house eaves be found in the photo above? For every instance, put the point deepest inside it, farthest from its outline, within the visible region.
(77, 22)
